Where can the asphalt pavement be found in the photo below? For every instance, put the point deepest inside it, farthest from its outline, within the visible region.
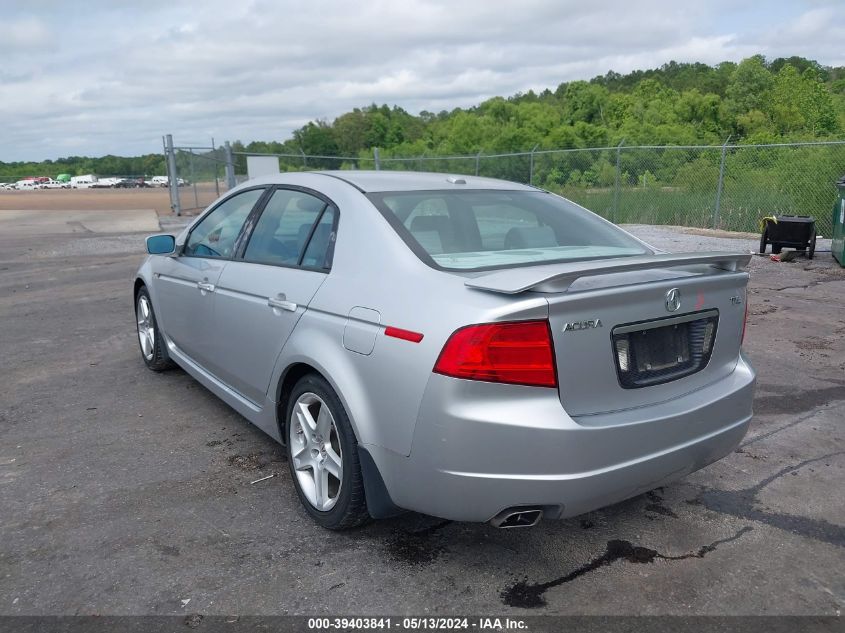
(123, 491)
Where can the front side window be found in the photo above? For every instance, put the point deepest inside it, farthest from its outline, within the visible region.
(286, 234)
(216, 234)
(485, 229)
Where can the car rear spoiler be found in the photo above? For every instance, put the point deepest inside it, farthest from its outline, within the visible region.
(558, 277)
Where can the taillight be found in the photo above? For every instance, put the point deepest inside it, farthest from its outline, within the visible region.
(517, 352)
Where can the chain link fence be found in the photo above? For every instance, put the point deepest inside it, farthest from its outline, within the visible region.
(200, 176)
(729, 187)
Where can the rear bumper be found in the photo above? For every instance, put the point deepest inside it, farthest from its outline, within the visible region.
(481, 448)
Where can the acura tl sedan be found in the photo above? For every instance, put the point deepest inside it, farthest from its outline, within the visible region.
(468, 348)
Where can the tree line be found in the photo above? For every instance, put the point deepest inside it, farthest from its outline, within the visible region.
(753, 101)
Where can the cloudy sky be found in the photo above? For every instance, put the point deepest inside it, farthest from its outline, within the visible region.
(112, 76)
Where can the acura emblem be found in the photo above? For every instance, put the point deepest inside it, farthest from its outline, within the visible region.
(583, 325)
(673, 299)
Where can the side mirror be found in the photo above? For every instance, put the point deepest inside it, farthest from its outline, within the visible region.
(161, 244)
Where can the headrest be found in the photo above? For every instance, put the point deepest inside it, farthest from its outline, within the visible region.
(430, 223)
(530, 237)
(430, 241)
(308, 204)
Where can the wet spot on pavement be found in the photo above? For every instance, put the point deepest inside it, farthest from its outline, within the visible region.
(527, 595)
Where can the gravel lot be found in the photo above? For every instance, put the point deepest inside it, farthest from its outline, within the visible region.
(156, 198)
(128, 492)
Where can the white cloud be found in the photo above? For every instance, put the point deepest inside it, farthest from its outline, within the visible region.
(24, 34)
(116, 76)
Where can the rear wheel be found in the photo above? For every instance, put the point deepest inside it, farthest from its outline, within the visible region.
(811, 250)
(149, 336)
(763, 240)
(323, 456)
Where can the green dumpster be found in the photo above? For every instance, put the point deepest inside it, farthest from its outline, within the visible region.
(838, 245)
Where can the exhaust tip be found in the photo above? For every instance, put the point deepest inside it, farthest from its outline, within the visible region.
(517, 518)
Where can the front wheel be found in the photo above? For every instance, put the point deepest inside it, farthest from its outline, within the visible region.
(323, 456)
(149, 336)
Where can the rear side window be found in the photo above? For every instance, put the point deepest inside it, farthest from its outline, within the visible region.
(479, 230)
(216, 234)
(318, 254)
(294, 229)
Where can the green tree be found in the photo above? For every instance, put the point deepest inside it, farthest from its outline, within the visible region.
(801, 103)
(750, 85)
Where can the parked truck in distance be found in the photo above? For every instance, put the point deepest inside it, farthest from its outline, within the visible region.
(54, 184)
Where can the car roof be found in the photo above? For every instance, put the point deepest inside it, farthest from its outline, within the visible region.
(379, 181)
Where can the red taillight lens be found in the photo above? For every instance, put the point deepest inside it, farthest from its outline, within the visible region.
(518, 353)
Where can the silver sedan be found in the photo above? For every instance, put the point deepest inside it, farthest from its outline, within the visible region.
(468, 348)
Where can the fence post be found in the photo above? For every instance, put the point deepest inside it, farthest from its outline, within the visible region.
(194, 181)
(231, 181)
(717, 209)
(477, 162)
(531, 165)
(304, 158)
(216, 168)
(172, 175)
(376, 158)
(618, 180)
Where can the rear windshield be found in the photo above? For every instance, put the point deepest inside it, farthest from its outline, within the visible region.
(483, 229)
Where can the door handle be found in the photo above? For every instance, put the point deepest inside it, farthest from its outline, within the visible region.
(205, 287)
(281, 303)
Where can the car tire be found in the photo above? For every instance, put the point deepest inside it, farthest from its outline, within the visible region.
(320, 446)
(763, 240)
(150, 339)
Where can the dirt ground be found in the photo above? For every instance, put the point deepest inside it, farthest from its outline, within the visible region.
(128, 492)
(156, 198)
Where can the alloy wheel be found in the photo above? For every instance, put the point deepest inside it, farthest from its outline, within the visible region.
(316, 452)
(146, 327)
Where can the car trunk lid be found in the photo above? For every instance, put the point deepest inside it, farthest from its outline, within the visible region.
(637, 331)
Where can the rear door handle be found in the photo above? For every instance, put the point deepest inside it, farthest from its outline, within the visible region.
(205, 287)
(281, 303)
